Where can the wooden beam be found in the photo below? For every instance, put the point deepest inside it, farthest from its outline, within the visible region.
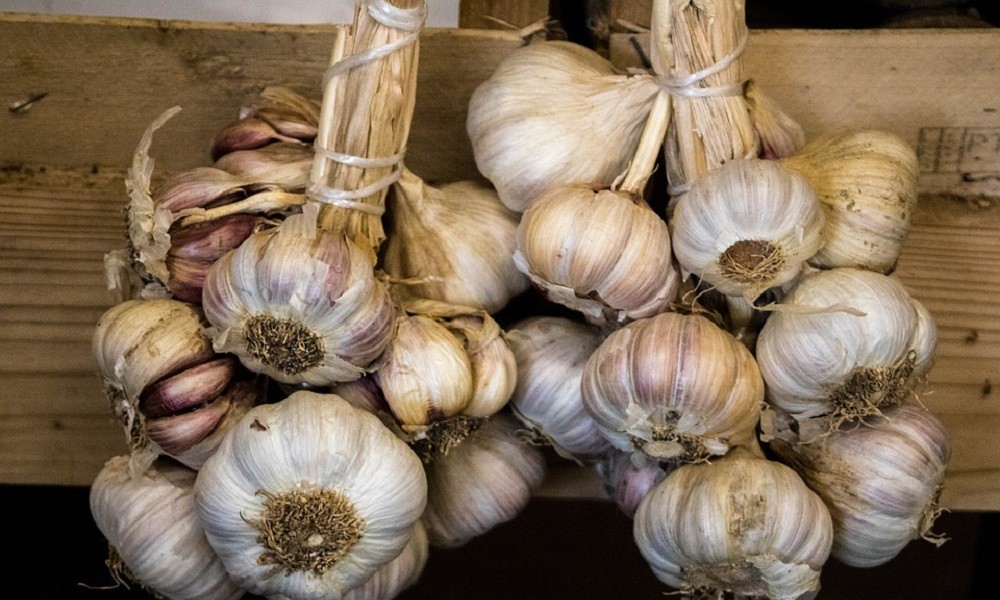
(485, 14)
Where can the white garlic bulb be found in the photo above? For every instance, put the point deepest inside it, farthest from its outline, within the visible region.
(881, 481)
(535, 121)
(155, 537)
(551, 353)
(867, 184)
(625, 482)
(740, 524)
(485, 479)
(847, 348)
(402, 572)
(602, 252)
(458, 239)
(673, 387)
(299, 304)
(746, 226)
(309, 497)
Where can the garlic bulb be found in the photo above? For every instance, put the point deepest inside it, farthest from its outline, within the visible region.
(299, 304)
(445, 361)
(881, 481)
(746, 226)
(741, 524)
(164, 381)
(534, 122)
(155, 537)
(601, 252)
(309, 497)
(277, 115)
(551, 353)
(402, 572)
(827, 362)
(867, 184)
(459, 238)
(283, 164)
(626, 483)
(483, 481)
(673, 387)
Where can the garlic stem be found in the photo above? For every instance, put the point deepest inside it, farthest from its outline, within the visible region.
(320, 164)
(263, 202)
(644, 160)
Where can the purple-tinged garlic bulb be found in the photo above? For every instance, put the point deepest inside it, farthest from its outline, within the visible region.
(626, 483)
(300, 305)
(673, 388)
(881, 481)
(551, 353)
(277, 115)
(741, 524)
(155, 537)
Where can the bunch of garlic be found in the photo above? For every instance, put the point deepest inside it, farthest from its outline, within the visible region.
(308, 498)
(741, 525)
(881, 481)
(850, 344)
(454, 242)
(673, 388)
(155, 537)
(551, 353)
(299, 304)
(164, 381)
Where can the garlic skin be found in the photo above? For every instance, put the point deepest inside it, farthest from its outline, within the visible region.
(309, 497)
(626, 483)
(924, 340)
(746, 226)
(485, 480)
(149, 520)
(881, 481)
(458, 237)
(533, 122)
(282, 164)
(867, 184)
(551, 353)
(601, 252)
(827, 362)
(673, 388)
(740, 524)
(780, 135)
(299, 304)
(402, 572)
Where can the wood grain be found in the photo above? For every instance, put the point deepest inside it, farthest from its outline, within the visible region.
(519, 13)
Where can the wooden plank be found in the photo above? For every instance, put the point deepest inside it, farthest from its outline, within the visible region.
(475, 14)
(106, 79)
(57, 449)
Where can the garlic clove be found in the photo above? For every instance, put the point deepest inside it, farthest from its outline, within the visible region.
(626, 483)
(149, 516)
(924, 340)
(189, 388)
(209, 241)
(198, 187)
(283, 164)
(180, 432)
(533, 122)
(247, 134)
(241, 397)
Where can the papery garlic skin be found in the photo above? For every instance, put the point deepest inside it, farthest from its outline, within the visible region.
(673, 387)
(485, 480)
(601, 252)
(740, 524)
(924, 340)
(746, 226)
(459, 238)
(881, 481)
(357, 490)
(551, 353)
(534, 122)
(780, 135)
(149, 519)
(299, 304)
(867, 184)
(402, 572)
(828, 361)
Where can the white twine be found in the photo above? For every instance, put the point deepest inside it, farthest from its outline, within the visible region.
(410, 20)
(687, 86)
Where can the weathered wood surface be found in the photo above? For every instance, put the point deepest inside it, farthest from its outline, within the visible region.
(56, 225)
(475, 14)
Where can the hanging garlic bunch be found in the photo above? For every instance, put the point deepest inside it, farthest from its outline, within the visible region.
(551, 353)
(309, 497)
(673, 388)
(447, 368)
(482, 482)
(867, 184)
(299, 304)
(881, 481)
(164, 381)
(746, 226)
(400, 573)
(457, 238)
(535, 121)
(626, 483)
(850, 345)
(277, 115)
(155, 538)
(741, 524)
